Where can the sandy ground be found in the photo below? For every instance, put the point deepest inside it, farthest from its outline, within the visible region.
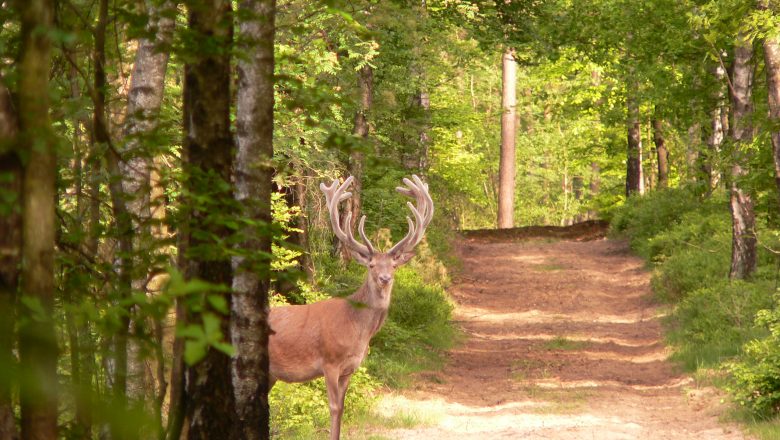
(562, 341)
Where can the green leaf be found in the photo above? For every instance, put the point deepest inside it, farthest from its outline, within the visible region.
(211, 326)
(194, 351)
(219, 303)
(224, 347)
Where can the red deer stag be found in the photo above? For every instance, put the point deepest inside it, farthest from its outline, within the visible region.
(330, 338)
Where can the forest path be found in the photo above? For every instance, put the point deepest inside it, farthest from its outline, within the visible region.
(562, 341)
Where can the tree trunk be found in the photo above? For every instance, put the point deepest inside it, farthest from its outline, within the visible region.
(743, 241)
(506, 168)
(10, 254)
(121, 217)
(254, 172)
(37, 338)
(147, 85)
(715, 135)
(692, 153)
(634, 156)
(594, 187)
(772, 61)
(356, 159)
(661, 152)
(207, 166)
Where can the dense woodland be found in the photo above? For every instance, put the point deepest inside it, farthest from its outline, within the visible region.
(160, 164)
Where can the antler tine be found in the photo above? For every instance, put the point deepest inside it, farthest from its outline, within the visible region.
(335, 194)
(423, 213)
(362, 231)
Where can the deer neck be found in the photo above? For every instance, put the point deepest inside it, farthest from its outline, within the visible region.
(371, 304)
(373, 296)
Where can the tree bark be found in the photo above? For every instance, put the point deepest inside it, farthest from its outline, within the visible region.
(207, 166)
(10, 254)
(662, 152)
(506, 168)
(37, 338)
(594, 187)
(743, 241)
(253, 186)
(716, 133)
(356, 158)
(634, 156)
(772, 62)
(147, 86)
(102, 138)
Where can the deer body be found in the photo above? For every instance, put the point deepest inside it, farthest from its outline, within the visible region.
(327, 335)
(330, 338)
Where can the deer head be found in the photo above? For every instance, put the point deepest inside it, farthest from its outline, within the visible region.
(381, 265)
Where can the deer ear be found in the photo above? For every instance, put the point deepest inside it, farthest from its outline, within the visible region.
(360, 259)
(403, 258)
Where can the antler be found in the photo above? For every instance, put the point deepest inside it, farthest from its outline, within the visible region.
(334, 194)
(423, 213)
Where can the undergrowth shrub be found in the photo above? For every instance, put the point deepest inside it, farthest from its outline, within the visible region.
(756, 375)
(711, 323)
(642, 218)
(299, 410)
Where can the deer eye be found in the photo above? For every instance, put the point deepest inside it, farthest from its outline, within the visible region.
(372, 264)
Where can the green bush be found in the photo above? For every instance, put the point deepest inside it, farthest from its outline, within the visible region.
(299, 410)
(711, 323)
(756, 374)
(687, 270)
(642, 218)
(417, 330)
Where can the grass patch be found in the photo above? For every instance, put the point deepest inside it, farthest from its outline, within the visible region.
(559, 400)
(561, 343)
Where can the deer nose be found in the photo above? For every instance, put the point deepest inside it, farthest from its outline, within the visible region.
(385, 278)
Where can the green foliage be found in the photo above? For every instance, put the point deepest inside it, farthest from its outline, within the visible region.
(299, 410)
(757, 373)
(641, 219)
(711, 323)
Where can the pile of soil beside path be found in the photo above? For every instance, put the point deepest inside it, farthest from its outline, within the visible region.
(584, 231)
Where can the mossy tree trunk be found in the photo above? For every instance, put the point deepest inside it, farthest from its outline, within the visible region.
(37, 339)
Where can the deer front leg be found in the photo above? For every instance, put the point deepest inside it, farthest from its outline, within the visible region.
(335, 400)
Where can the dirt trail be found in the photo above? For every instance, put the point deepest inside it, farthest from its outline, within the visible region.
(562, 342)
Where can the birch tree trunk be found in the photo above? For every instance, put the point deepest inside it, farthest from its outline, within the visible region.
(37, 339)
(506, 167)
(10, 254)
(254, 172)
(716, 133)
(147, 85)
(743, 240)
(207, 166)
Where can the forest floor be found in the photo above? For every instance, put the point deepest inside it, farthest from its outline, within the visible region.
(562, 340)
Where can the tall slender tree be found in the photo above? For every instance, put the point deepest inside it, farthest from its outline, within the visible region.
(506, 167)
(254, 171)
(147, 86)
(743, 217)
(208, 160)
(662, 153)
(37, 339)
(634, 155)
(771, 45)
